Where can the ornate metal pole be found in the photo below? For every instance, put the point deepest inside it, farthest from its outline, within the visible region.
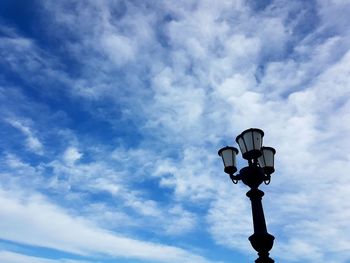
(260, 167)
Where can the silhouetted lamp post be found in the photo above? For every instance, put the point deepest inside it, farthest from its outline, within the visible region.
(260, 167)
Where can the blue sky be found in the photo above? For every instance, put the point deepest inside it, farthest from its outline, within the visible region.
(112, 113)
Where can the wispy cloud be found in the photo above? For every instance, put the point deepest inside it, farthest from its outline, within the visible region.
(32, 142)
(11, 257)
(32, 220)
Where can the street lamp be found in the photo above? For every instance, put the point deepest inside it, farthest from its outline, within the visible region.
(260, 167)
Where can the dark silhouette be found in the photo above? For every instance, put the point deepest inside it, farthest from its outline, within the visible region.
(260, 167)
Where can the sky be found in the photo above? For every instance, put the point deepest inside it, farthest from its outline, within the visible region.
(112, 113)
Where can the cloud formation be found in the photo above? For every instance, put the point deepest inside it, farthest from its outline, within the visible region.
(112, 113)
(33, 221)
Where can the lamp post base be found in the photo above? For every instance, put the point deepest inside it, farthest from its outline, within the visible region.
(262, 243)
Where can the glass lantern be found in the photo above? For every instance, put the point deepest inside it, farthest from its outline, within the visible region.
(266, 160)
(228, 155)
(250, 142)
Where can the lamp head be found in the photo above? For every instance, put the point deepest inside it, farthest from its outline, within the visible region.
(228, 155)
(250, 142)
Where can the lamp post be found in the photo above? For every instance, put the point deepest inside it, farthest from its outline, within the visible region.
(260, 167)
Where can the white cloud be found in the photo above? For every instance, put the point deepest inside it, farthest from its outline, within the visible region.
(119, 48)
(191, 177)
(71, 155)
(179, 221)
(34, 221)
(32, 142)
(11, 257)
(131, 208)
(229, 218)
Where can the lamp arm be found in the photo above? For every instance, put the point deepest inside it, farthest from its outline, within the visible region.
(267, 179)
(235, 178)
